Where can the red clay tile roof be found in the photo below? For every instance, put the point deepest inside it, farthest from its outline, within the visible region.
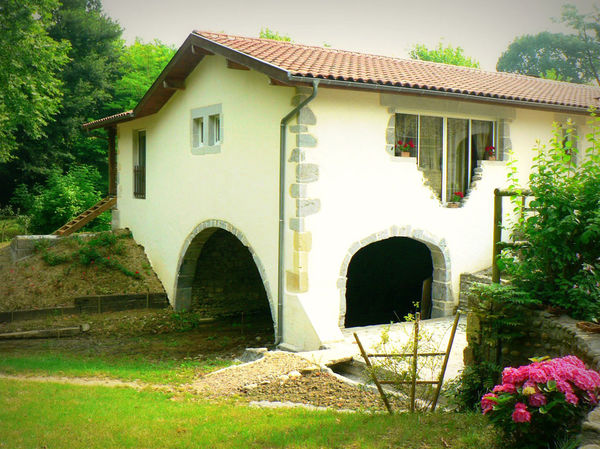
(327, 63)
(295, 63)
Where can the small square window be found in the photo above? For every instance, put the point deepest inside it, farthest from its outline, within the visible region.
(206, 129)
(198, 132)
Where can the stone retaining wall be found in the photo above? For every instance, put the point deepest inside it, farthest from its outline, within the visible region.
(93, 304)
(547, 336)
(23, 246)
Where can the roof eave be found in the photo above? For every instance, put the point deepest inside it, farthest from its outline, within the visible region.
(296, 79)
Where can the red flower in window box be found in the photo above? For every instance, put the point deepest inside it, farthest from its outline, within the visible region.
(490, 152)
(404, 148)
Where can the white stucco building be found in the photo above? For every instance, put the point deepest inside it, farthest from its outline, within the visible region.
(341, 228)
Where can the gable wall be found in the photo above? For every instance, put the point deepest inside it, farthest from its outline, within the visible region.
(239, 185)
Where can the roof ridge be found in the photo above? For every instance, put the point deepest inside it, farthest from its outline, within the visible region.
(206, 34)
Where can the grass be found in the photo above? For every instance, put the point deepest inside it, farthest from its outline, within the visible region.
(174, 372)
(56, 415)
(108, 263)
(11, 226)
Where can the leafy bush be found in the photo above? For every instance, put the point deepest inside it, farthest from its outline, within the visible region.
(465, 391)
(64, 197)
(503, 310)
(560, 262)
(537, 404)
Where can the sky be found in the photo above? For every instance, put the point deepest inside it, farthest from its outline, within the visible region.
(483, 28)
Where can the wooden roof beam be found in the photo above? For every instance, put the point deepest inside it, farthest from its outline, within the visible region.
(199, 51)
(174, 84)
(234, 65)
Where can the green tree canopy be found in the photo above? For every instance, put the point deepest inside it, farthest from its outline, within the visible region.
(141, 63)
(447, 55)
(87, 85)
(549, 55)
(266, 33)
(587, 27)
(29, 61)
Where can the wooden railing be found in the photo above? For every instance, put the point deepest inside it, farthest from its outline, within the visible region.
(139, 181)
(497, 243)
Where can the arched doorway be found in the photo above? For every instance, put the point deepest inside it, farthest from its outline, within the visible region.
(227, 282)
(219, 275)
(385, 279)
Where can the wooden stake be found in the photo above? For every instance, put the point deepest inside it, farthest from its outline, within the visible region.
(413, 386)
(445, 364)
(368, 363)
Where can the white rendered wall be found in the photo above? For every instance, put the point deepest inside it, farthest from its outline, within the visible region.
(363, 191)
(239, 185)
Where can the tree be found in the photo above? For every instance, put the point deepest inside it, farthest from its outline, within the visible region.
(447, 55)
(549, 55)
(88, 81)
(29, 61)
(141, 63)
(588, 31)
(266, 33)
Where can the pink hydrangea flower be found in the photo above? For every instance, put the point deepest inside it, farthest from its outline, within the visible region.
(521, 414)
(537, 400)
(505, 388)
(487, 402)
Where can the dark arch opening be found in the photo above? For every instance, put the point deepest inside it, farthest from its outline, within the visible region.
(227, 283)
(385, 279)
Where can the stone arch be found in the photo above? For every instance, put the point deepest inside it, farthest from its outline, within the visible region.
(188, 258)
(441, 291)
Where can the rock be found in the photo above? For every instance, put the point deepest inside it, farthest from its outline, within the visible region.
(250, 386)
(309, 370)
(252, 354)
(294, 374)
(283, 377)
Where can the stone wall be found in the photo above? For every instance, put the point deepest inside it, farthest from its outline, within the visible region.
(227, 281)
(547, 335)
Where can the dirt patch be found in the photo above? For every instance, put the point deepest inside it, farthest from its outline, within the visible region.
(34, 283)
(236, 379)
(147, 334)
(320, 389)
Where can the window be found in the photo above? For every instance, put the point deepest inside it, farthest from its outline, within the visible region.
(207, 129)
(139, 164)
(447, 149)
(215, 129)
(198, 132)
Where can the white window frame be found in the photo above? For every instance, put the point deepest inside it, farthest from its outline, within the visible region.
(207, 140)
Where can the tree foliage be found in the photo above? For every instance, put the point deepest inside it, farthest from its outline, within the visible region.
(560, 261)
(266, 33)
(29, 61)
(549, 55)
(446, 55)
(587, 27)
(569, 57)
(86, 85)
(140, 63)
(64, 197)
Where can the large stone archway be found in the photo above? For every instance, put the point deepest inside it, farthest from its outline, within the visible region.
(188, 260)
(441, 292)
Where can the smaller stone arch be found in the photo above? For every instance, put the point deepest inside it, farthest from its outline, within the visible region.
(188, 258)
(441, 291)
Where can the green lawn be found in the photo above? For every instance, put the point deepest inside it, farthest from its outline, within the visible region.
(47, 415)
(174, 372)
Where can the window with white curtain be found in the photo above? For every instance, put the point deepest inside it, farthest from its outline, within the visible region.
(447, 149)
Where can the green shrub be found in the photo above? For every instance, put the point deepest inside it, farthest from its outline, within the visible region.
(560, 262)
(64, 197)
(465, 391)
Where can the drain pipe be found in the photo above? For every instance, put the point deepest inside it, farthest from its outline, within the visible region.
(282, 183)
